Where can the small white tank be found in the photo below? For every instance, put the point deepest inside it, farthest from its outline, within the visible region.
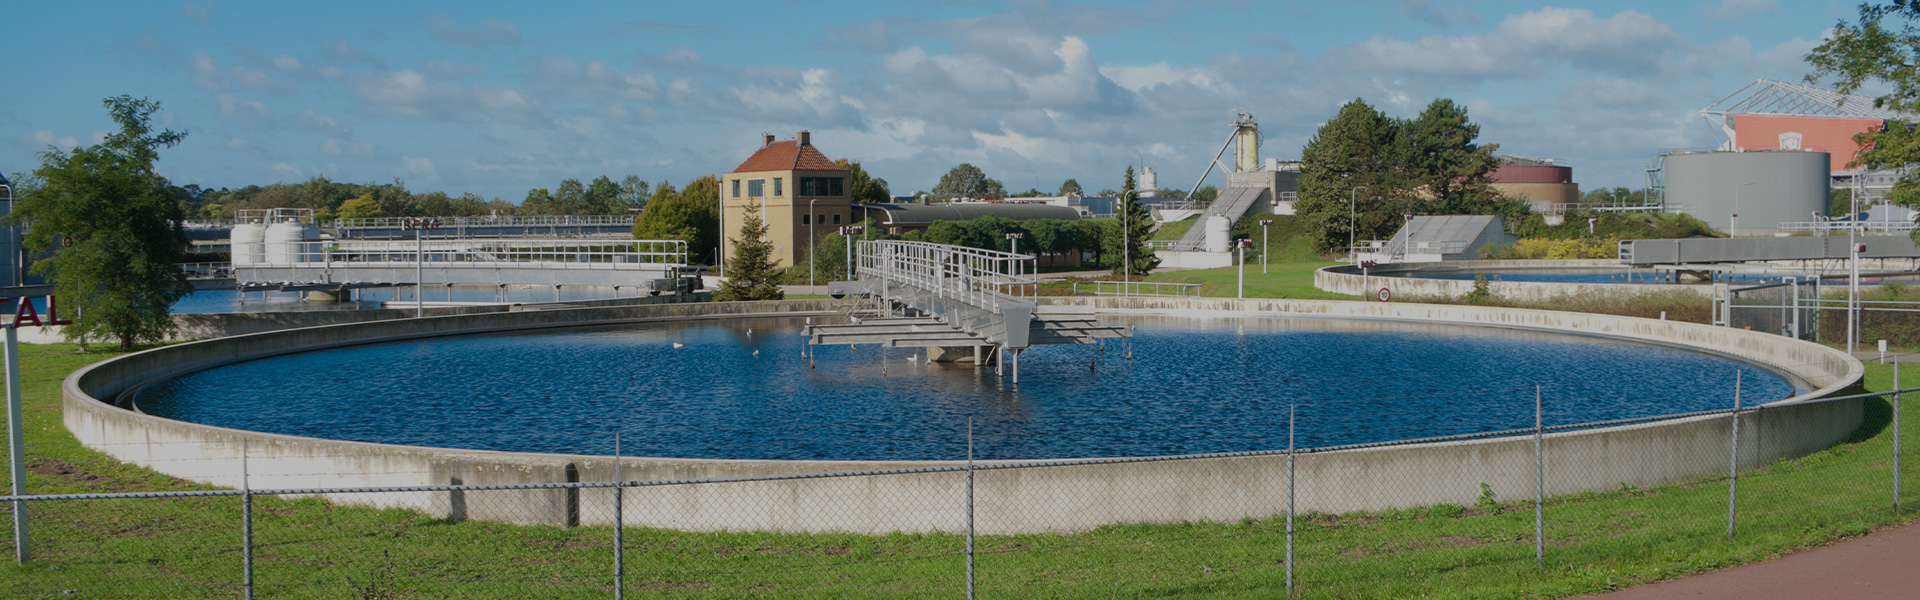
(244, 243)
(284, 242)
(1219, 234)
(1149, 183)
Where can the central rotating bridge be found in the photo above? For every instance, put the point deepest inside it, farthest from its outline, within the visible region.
(953, 300)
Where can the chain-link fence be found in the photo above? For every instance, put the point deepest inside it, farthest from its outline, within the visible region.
(1545, 510)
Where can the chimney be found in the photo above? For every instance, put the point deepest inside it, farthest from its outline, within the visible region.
(766, 139)
(806, 138)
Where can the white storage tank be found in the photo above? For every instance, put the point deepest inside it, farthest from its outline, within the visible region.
(285, 242)
(1219, 234)
(244, 241)
(1764, 188)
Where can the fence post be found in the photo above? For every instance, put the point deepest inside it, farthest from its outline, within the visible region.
(969, 508)
(1539, 485)
(1733, 459)
(1896, 437)
(619, 527)
(1290, 430)
(246, 521)
(16, 444)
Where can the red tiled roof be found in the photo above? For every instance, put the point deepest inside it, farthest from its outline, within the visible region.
(787, 155)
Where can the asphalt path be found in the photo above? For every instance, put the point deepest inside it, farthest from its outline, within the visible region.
(1881, 565)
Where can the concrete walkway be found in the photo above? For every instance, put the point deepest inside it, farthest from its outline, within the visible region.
(1866, 568)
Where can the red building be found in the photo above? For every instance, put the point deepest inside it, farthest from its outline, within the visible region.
(1775, 115)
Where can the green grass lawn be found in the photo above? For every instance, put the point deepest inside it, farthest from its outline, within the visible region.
(189, 548)
(1282, 280)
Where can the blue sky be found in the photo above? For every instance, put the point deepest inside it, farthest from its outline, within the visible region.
(496, 97)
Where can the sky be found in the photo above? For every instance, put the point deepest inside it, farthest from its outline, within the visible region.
(496, 98)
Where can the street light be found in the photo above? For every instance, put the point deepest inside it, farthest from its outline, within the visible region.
(848, 232)
(1013, 239)
(419, 228)
(1242, 245)
(1352, 199)
(813, 225)
(1126, 236)
(1263, 244)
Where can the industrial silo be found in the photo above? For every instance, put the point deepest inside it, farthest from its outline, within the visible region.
(245, 243)
(1751, 192)
(286, 242)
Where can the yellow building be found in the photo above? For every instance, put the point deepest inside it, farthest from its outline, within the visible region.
(796, 190)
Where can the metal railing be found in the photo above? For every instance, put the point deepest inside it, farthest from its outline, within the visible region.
(983, 278)
(555, 254)
(207, 270)
(1842, 227)
(480, 221)
(1136, 288)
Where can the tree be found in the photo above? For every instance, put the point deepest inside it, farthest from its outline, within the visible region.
(968, 181)
(1868, 51)
(603, 198)
(1440, 157)
(753, 273)
(1136, 228)
(1069, 187)
(633, 193)
(1354, 149)
(539, 202)
(569, 199)
(363, 207)
(863, 187)
(117, 227)
(691, 215)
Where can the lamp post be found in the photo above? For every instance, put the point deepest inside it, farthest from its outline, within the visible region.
(848, 232)
(1242, 245)
(1263, 244)
(1013, 241)
(1352, 200)
(419, 228)
(1733, 228)
(813, 224)
(1126, 236)
(13, 241)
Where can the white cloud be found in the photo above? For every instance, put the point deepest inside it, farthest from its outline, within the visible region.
(1524, 45)
(492, 32)
(200, 12)
(244, 111)
(1734, 10)
(41, 139)
(286, 171)
(417, 169)
(1138, 77)
(249, 77)
(206, 72)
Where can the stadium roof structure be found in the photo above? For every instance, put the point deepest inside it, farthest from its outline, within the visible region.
(1779, 98)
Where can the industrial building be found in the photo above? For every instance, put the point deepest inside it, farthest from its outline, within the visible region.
(795, 190)
(1543, 183)
(1776, 115)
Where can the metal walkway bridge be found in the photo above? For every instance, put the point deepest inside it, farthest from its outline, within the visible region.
(349, 264)
(955, 299)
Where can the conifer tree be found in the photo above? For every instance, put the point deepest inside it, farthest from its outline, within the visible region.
(1136, 227)
(752, 273)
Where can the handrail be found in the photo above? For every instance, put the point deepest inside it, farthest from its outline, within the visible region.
(483, 221)
(457, 253)
(1132, 288)
(982, 278)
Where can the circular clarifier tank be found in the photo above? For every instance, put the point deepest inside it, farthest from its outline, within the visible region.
(742, 389)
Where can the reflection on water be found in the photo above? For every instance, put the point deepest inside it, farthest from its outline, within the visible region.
(1193, 386)
(1633, 276)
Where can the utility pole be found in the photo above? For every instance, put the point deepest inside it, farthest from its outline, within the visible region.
(419, 228)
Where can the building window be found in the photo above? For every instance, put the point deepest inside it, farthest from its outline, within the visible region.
(821, 186)
(756, 188)
(736, 188)
(806, 219)
(777, 188)
(836, 219)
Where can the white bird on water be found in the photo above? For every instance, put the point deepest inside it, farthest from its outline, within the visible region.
(756, 354)
(749, 332)
(678, 345)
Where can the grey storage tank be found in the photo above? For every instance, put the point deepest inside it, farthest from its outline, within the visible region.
(1764, 188)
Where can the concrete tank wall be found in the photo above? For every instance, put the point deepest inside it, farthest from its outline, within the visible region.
(1786, 187)
(1024, 500)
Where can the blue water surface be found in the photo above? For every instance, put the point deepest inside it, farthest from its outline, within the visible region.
(1192, 386)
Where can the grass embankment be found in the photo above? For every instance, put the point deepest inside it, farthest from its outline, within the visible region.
(189, 548)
